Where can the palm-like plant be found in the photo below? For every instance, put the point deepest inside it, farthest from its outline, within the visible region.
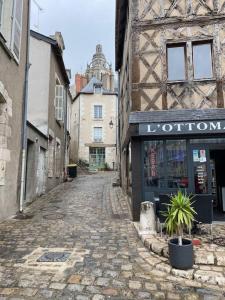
(179, 215)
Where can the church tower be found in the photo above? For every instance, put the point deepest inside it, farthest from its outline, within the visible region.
(101, 69)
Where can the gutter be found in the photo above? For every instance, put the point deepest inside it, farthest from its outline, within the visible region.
(65, 131)
(24, 115)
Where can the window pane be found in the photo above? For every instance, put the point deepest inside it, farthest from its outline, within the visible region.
(1, 4)
(153, 164)
(176, 63)
(202, 61)
(98, 112)
(177, 164)
(200, 171)
(97, 134)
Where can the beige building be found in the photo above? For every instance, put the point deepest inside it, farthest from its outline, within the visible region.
(49, 109)
(14, 32)
(170, 57)
(94, 126)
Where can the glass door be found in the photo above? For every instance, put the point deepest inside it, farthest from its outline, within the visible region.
(201, 170)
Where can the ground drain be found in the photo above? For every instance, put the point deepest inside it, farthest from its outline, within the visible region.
(54, 257)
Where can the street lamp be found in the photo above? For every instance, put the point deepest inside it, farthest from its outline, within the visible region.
(111, 124)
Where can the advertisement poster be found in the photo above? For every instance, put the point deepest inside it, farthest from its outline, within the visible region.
(196, 156)
(202, 156)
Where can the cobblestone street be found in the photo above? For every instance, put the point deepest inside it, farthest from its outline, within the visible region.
(90, 231)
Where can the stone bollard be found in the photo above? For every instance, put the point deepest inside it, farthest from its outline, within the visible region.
(147, 218)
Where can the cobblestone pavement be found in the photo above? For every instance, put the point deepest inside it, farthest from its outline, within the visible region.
(85, 221)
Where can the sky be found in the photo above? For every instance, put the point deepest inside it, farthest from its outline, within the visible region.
(83, 24)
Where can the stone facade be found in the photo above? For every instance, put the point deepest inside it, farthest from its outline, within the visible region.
(12, 76)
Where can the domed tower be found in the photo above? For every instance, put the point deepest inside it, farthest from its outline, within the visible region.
(101, 69)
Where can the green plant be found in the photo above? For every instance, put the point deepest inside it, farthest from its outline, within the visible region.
(179, 215)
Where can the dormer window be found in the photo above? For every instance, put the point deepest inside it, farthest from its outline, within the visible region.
(97, 88)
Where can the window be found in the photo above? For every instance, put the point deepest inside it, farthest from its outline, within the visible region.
(176, 62)
(11, 24)
(17, 27)
(177, 164)
(202, 60)
(98, 88)
(59, 102)
(98, 134)
(1, 10)
(153, 164)
(98, 111)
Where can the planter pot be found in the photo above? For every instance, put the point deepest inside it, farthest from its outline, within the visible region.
(181, 257)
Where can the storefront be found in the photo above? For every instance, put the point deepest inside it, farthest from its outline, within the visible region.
(186, 154)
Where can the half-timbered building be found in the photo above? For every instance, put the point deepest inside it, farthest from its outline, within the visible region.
(170, 56)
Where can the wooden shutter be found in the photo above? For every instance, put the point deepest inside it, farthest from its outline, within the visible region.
(17, 27)
(59, 102)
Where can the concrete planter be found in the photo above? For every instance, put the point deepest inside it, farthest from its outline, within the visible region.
(181, 257)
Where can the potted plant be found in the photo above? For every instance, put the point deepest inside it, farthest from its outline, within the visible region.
(180, 215)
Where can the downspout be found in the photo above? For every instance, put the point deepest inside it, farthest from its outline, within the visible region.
(24, 114)
(119, 137)
(65, 133)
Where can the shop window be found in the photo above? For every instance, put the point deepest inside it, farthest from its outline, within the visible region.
(153, 164)
(177, 164)
(202, 60)
(176, 62)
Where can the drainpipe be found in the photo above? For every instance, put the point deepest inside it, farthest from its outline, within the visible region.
(24, 115)
(65, 131)
(119, 132)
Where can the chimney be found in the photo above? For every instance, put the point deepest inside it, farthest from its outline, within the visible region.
(59, 39)
(80, 82)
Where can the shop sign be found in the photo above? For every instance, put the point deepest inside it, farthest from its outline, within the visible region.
(182, 128)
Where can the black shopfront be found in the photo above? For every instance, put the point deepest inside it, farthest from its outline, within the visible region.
(186, 154)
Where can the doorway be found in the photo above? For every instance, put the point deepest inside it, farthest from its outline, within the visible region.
(217, 167)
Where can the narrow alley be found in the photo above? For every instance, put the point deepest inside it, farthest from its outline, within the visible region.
(80, 244)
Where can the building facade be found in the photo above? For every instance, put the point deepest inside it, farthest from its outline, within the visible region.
(170, 57)
(48, 105)
(14, 32)
(94, 126)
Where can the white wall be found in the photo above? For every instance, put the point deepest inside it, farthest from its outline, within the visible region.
(38, 87)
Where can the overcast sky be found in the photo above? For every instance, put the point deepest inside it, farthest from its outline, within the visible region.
(83, 24)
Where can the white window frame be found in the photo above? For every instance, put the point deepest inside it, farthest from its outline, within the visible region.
(98, 112)
(59, 102)
(1, 12)
(17, 24)
(97, 134)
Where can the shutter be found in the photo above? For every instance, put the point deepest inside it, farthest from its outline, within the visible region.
(17, 27)
(1, 12)
(59, 102)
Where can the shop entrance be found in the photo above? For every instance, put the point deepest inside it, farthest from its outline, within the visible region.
(217, 167)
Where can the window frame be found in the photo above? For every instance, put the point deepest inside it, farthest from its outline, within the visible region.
(97, 115)
(197, 43)
(1, 12)
(96, 139)
(59, 102)
(177, 45)
(13, 32)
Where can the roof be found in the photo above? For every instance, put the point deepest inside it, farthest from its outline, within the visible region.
(57, 50)
(90, 88)
(121, 20)
(177, 115)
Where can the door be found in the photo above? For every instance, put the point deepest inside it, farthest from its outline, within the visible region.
(97, 158)
(201, 175)
(41, 173)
